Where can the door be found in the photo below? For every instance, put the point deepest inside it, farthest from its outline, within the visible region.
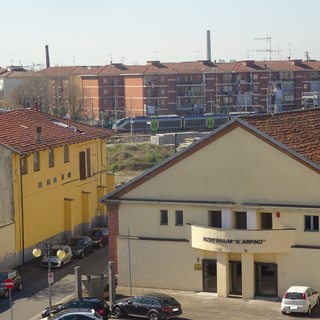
(235, 270)
(266, 279)
(209, 275)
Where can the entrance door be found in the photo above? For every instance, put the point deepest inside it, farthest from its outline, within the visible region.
(209, 275)
(266, 278)
(235, 277)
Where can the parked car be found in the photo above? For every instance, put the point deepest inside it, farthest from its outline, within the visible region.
(99, 305)
(299, 299)
(154, 306)
(99, 236)
(17, 282)
(55, 261)
(80, 245)
(75, 314)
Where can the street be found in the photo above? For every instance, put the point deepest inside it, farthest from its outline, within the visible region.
(28, 304)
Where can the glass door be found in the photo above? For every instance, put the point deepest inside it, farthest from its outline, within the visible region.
(209, 275)
(235, 277)
(266, 278)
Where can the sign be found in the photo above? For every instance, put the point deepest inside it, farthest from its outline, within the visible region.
(50, 277)
(8, 283)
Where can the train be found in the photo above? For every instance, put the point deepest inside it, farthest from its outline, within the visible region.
(173, 123)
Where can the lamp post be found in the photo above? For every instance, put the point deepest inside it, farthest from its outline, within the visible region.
(60, 254)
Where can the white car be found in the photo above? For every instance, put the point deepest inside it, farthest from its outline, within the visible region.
(55, 261)
(70, 314)
(299, 299)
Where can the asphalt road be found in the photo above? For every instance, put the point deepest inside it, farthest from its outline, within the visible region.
(29, 303)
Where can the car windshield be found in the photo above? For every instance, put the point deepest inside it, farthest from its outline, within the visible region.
(171, 301)
(76, 242)
(294, 295)
(95, 233)
(3, 277)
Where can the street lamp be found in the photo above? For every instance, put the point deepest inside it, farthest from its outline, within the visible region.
(60, 254)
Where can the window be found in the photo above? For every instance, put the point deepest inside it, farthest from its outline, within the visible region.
(105, 80)
(311, 223)
(164, 217)
(66, 153)
(36, 161)
(82, 165)
(241, 220)
(51, 158)
(24, 166)
(266, 220)
(105, 91)
(179, 218)
(214, 219)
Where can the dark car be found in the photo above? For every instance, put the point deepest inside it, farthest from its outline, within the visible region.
(99, 305)
(153, 306)
(14, 276)
(99, 236)
(80, 245)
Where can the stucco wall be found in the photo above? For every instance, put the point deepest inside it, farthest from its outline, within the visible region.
(6, 188)
(237, 167)
(158, 264)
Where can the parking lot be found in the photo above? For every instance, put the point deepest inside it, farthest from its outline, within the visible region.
(207, 306)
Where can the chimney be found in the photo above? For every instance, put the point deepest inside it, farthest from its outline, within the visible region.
(208, 46)
(39, 129)
(47, 57)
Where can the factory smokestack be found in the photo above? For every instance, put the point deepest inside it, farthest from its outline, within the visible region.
(208, 46)
(47, 57)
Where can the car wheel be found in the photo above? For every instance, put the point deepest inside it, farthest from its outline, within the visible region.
(318, 301)
(117, 312)
(153, 316)
(283, 312)
(20, 286)
(6, 294)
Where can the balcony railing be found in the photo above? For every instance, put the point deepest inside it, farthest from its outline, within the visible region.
(236, 240)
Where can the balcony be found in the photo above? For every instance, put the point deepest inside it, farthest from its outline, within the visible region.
(239, 241)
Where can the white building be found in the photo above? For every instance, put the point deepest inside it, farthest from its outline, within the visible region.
(235, 213)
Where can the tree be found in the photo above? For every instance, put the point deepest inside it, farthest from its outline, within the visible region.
(32, 92)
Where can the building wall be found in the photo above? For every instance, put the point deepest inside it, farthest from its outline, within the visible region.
(237, 172)
(56, 203)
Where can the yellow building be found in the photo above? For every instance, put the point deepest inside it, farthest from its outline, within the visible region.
(236, 213)
(53, 173)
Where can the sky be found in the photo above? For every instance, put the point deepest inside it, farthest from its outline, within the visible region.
(97, 32)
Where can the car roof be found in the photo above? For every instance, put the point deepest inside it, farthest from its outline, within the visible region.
(93, 299)
(298, 288)
(7, 271)
(156, 295)
(78, 310)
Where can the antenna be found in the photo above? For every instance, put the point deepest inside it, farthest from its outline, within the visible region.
(266, 50)
(156, 52)
(197, 52)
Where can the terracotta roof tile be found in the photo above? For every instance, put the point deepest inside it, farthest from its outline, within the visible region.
(18, 131)
(299, 130)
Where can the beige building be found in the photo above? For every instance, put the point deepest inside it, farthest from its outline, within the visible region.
(235, 213)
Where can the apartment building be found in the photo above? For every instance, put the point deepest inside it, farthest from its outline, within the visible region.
(99, 95)
(53, 173)
(236, 213)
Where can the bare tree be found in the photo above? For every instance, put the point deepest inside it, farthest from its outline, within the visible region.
(32, 92)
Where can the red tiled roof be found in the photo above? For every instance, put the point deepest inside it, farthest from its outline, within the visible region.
(18, 131)
(299, 130)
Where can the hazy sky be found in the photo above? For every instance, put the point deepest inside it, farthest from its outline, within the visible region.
(94, 32)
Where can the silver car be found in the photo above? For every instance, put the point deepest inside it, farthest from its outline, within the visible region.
(56, 262)
(299, 299)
